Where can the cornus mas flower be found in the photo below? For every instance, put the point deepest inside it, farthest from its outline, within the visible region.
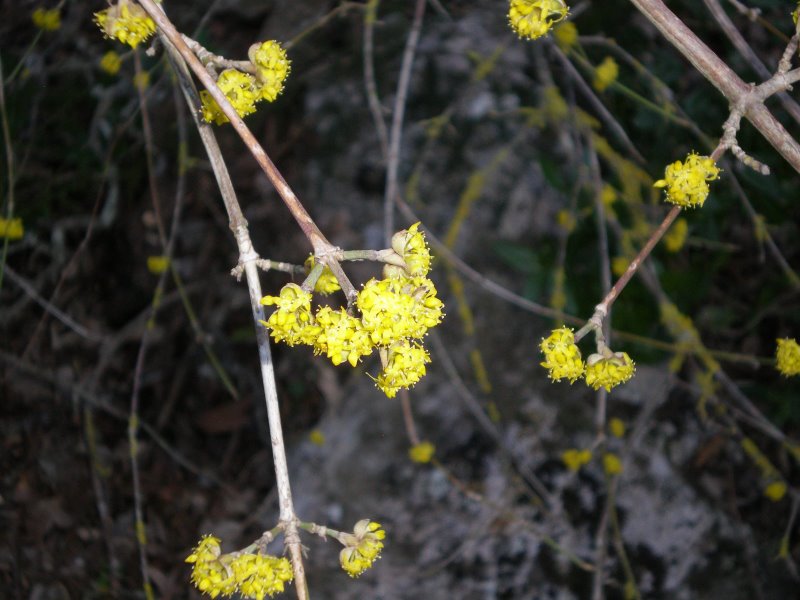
(574, 459)
(111, 62)
(272, 68)
(260, 575)
(127, 22)
(605, 74)
(534, 18)
(239, 89)
(405, 366)
(562, 358)
(362, 547)
(341, 337)
(410, 244)
(608, 372)
(787, 356)
(293, 321)
(47, 19)
(209, 574)
(421, 453)
(686, 183)
(327, 282)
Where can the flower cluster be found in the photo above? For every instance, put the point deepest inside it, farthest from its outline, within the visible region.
(394, 314)
(686, 182)
(422, 453)
(534, 18)
(787, 356)
(251, 575)
(605, 74)
(327, 282)
(362, 547)
(574, 459)
(11, 229)
(111, 62)
(127, 22)
(270, 67)
(563, 361)
(47, 19)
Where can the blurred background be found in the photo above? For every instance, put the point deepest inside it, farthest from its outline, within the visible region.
(536, 169)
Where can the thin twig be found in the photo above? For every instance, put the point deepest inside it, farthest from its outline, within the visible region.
(375, 108)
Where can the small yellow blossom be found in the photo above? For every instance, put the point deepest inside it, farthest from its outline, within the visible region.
(410, 244)
(292, 322)
(612, 464)
(259, 575)
(240, 90)
(362, 547)
(141, 81)
(272, 68)
(127, 22)
(675, 238)
(619, 264)
(210, 574)
(686, 182)
(787, 356)
(605, 74)
(617, 427)
(574, 459)
(562, 356)
(11, 229)
(405, 366)
(47, 19)
(775, 491)
(396, 308)
(421, 453)
(111, 62)
(341, 337)
(157, 264)
(608, 195)
(566, 220)
(566, 34)
(316, 437)
(534, 18)
(608, 372)
(327, 282)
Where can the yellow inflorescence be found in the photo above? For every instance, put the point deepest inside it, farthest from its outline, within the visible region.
(605, 74)
(617, 427)
(293, 321)
(675, 238)
(404, 368)
(127, 22)
(574, 459)
(566, 34)
(612, 464)
(411, 246)
(47, 19)
(251, 575)
(608, 372)
(342, 338)
(421, 453)
(362, 547)
(562, 357)
(327, 283)
(239, 89)
(272, 68)
(11, 229)
(111, 62)
(775, 491)
(534, 18)
(686, 183)
(787, 356)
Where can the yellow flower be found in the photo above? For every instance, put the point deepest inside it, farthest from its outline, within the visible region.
(157, 264)
(210, 574)
(616, 427)
(259, 575)
(605, 74)
(619, 264)
(141, 81)
(241, 91)
(686, 182)
(362, 547)
(272, 68)
(608, 195)
(566, 220)
(410, 244)
(787, 356)
(292, 322)
(421, 453)
(775, 491)
(111, 62)
(562, 356)
(675, 238)
(574, 459)
(566, 34)
(316, 437)
(608, 372)
(127, 22)
(341, 337)
(405, 366)
(396, 308)
(11, 229)
(534, 18)
(327, 282)
(612, 464)
(47, 19)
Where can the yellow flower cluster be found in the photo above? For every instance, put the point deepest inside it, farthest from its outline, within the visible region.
(563, 361)
(11, 229)
(605, 74)
(395, 313)
(534, 18)
(612, 464)
(127, 22)
(47, 19)
(111, 62)
(421, 453)
(574, 459)
(243, 90)
(787, 356)
(327, 283)
(686, 182)
(362, 547)
(251, 575)
(675, 238)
